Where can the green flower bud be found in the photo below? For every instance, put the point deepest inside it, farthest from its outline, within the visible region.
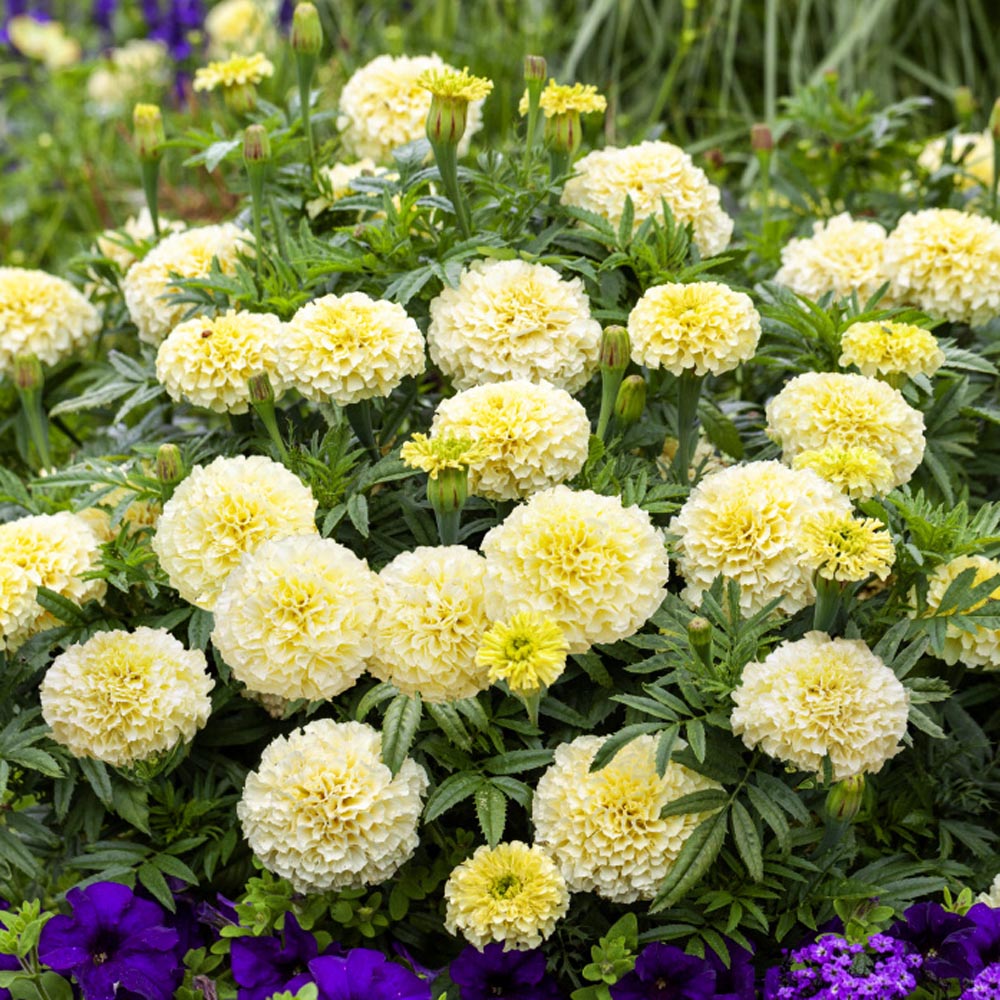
(260, 388)
(844, 799)
(256, 144)
(446, 120)
(28, 374)
(563, 133)
(761, 139)
(241, 98)
(964, 103)
(147, 122)
(535, 69)
(448, 491)
(169, 464)
(307, 32)
(995, 120)
(615, 349)
(631, 400)
(700, 637)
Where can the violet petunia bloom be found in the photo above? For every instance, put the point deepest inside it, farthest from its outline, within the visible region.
(495, 974)
(984, 937)
(114, 941)
(738, 981)
(265, 965)
(364, 974)
(941, 937)
(663, 972)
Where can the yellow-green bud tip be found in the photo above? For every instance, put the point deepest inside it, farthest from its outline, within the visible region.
(615, 349)
(631, 400)
(535, 69)
(307, 32)
(169, 465)
(147, 122)
(844, 799)
(260, 388)
(964, 102)
(28, 374)
(256, 144)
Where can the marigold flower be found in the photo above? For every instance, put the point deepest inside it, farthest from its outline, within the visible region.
(528, 652)
(845, 548)
(323, 811)
(887, 348)
(432, 455)
(446, 82)
(45, 41)
(236, 71)
(819, 697)
(138, 229)
(511, 893)
(124, 697)
(975, 151)
(861, 472)
(992, 897)
(976, 646)
(564, 99)
(237, 26)
(335, 183)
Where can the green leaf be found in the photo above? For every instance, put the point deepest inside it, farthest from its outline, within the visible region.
(176, 868)
(747, 840)
(607, 750)
(697, 855)
(491, 811)
(925, 723)
(516, 761)
(771, 815)
(200, 628)
(695, 802)
(130, 802)
(152, 878)
(454, 789)
(399, 728)
(695, 732)
(63, 608)
(665, 748)
(97, 776)
(447, 717)
(719, 429)
(357, 511)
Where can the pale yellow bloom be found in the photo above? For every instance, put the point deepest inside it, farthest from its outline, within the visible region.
(45, 41)
(860, 471)
(888, 348)
(433, 455)
(845, 548)
(977, 646)
(528, 652)
(455, 84)
(564, 99)
(236, 71)
(975, 151)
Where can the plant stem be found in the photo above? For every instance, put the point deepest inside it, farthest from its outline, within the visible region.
(359, 416)
(305, 65)
(827, 604)
(38, 430)
(688, 394)
(446, 157)
(265, 410)
(448, 523)
(610, 382)
(150, 170)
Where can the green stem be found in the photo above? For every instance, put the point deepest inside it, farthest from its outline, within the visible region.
(610, 382)
(446, 157)
(764, 160)
(305, 65)
(150, 170)
(448, 523)
(359, 416)
(827, 604)
(558, 164)
(255, 174)
(688, 394)
(265, 410)
(38, 430)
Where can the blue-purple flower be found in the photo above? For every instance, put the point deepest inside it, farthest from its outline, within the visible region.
(737, 981)
(113, 941)
(941, 937)
(984, 937)
(495, 974)
(265, 965)
(363, 974)
(663, 972)
(986, 986)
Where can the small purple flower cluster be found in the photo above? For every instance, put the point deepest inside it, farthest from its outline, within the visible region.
(174, 23)
(986, 986)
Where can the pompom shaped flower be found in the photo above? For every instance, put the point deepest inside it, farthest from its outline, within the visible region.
(221, 511)
(55, 551)
(236, 71)
(948, 263)
(835, 410)
(42, 315)
(528, 652)
(432, 616)
(43, 40)
(295, 618)
(208, 362)
(972, 152)
(743, 523)
(842, 256)
(975, 646)
(323, 811)
(847, 549)
(242, 26)
(383, 105)
(528, 436)
(508, 319)
(189, 254)
(650, 173)
(345, 348)
(819, 696)
(701, 327)
(603, 828)
(113, 243)
(887, 348)
(511, 893)
(992, 896)
(860, 472)
(435, 455)
(125, 697)
(594, 567)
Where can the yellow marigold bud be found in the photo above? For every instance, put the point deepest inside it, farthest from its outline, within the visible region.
(256, 144)
(535, 68)
(844, 800)
(149, 136)
(887, 348)
(28, 375)
(761, 138)
(631, 400)
(169, 465)
(528, 652)
(964, 102)
(844, 548)
(307, 32)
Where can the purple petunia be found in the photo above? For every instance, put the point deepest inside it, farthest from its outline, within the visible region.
(363, 974)
(265, 965)
(495, 974)
(984, 937)
(113, 941)
(663, 972)
(941, 937)
(738, 981)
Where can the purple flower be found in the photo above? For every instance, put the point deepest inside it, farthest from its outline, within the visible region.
(364, 974)
(495, 974)
(114, 940)
(663, 972)
(984, 937)
(736, 982)
(266, 965)
(986, 986)
(104, 10)
(941, 937)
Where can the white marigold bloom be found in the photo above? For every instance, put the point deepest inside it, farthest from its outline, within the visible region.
(432, 616)
(140, 67)
(240, 26)
(508, 319)
(888, 348)
(947, 263)
(819, 696)
(974, 150)
(977, 646)
(382, 106)
(296, 617)
(860, 472)
(335, 183)
(843, 255)
(42, 315)
(139, 229)
(125, 697)
(818, 410)
(510, 893)
(529, 436)
(743, 523)
(702, 327)
(323, 811)
(45, 41)
(188, 254)
(650, 173)
(603, 828)
(55, 551)
(345, 348)
(595, 568)
(221, 511)
(208, 362)
(992, 896)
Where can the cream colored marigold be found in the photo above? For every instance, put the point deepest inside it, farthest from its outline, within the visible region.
(138, 229)
(819, 696)
(383, 106)
(977, 646)
(508, 319)
(887, 348)
(511, 893)
(323, 811)
(236, 71)
(743, 523)
(42, 315)
(843, 255)
(447, 82)
(700, 327)
(434, 455)
(603, 828)
(126, 697)
(528, 652)
(295, 618)
(45, 41)
(860, 472)
(845, 548)
(974, 150)
(221, 511)
(345, 348)
(335, 183)
(650, 173)
(189, 254)
(992, 896)
(208, 362)
(242, 26)
(136, 70)
(55, 551)
(947, 263)
(432, 617)
(529, 437)
(565, 99)
(835, 410)
(594, 567)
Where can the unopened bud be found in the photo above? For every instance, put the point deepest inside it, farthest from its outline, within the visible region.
(169, 465)
(700, 637)
(844, 800)
(28, 374)
(615, 349)
(256, 144)
(716, 158)
(964, 103)
(535, 69)
(147, 122)
(761, 139)
(563, 132)
(631, 400)
(832, 78)
(260, 388)
(448, 491)
(446, 120)
(307, 32)
(241, 98)
(995, 120)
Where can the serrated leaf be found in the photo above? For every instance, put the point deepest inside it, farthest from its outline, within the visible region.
(97, 777)
(454, 789)
(399, 729)
(491, 811)
(516, 761)
(63, 608)
(357, 511)
(665, 748)
(152, 879)
(613, 743)
(695, 733)
(770, 814)
(747, 841)
(925, 723)
(697, 855)
(696, 802)
(719, 429)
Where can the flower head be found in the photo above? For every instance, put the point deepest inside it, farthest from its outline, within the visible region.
(364, 973)
(887, 348)
(563, 99)
(973, 153)
(976, 646)
(116, 244)
(236, 71)
(43, 40)
(508, 319)
(528, 652)
(263, 966)
(861, 472)
(444, 451)
(237, 26)
(323, 811)
(992, 896)
(603, 828)
(940, 937)
(449, 83)
(819, 697)
(511, 893)
(845, 548)
(664, 971)
(335, 182)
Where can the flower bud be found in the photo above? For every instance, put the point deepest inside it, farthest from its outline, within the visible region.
(615, 349)
(28, 374)
(535, 69)
(147, 122)
(700, 637)
(995, 120)
(448, 490)
(761, 139)
(260, 388)
(241, 98)
(307, 32)
(964, 103)
(446, 120)
(563, 133)
(256, 144)
(844, 799)
(631, 400)
(169, 465)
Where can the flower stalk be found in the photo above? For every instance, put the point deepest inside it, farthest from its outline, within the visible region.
(256, 156)
(307, 40)
(688, 393)
(147, 121)
(29, 380)
(827, 604)
(262, 401)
